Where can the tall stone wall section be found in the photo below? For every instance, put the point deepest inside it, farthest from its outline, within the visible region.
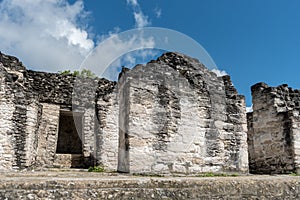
(235, 126)
(21, 109)
(107, 140)
(274, 130)
(6, 113)
(176, 117)
(47, 135)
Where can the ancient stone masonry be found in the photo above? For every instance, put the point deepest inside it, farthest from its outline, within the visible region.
(33, 105)
(171, 115)
(178, 117)
(20, 110)
(274, 129)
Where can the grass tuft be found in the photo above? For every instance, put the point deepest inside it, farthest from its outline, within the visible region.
(294, 174)
(96, 169)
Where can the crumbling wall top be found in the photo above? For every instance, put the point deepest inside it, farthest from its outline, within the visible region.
(11, 62)
(283, 98)
(54, 88)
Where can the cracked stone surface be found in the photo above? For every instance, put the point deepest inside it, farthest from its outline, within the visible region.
(172, 115)
(84, 185)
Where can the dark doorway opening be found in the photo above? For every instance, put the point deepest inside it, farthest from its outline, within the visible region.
(69, 143)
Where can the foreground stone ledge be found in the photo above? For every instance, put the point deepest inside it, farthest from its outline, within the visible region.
(83, 185)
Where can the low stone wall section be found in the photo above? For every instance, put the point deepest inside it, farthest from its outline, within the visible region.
(83, 185)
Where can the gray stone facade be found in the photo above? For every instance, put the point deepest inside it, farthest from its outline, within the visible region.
(274, 129)
(178, 117)
(171, 115)
(34, 106)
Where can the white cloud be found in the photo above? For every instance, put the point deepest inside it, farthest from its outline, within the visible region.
(219, 72)
(249, 109)
(141, 20)
(132, 2)
(157, 12)
(47, 35)
(44, 34)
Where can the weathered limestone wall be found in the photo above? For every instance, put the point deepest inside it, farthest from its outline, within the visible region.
(23, 114)
(88, 136)
(171, 116)
(274, 129)
(108, 125)
(235, 126)
(31, 103)
(295, 129)
(95, 98)
(123, 147)
(6, 113)
(47, 135)
(33, 115)
(177, 117)
(52, 87)
(156, 111)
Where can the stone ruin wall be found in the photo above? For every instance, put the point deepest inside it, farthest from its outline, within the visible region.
(30, 105)
(107, 141)
(201, 106)
(178, 117)
(115, 135)
(274, 129)
(20, 111)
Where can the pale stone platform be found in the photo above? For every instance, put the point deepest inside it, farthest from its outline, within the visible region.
(78, 184)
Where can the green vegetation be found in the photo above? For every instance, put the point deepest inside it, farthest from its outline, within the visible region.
(86, 73)
(294, 174)
(211, 174)
(96, 169)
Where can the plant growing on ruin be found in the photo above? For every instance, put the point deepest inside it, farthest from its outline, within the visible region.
(294, 174)
(96, 169)
(86, 73)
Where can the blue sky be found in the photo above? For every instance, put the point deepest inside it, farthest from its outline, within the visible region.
(253, 41)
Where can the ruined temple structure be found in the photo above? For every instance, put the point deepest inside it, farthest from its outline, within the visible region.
(274, 129)
(171, 115)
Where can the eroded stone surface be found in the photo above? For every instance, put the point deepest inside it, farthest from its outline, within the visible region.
(31, 103)
(178, 117)
(83, 185)
(170, 116)
(274, 131)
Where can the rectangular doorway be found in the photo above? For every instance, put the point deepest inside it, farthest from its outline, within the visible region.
(69, 141)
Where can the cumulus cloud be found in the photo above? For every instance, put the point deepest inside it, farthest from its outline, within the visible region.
(219, 72)
(249, 109)
(45, 34)
(48, 35)
(141, 20)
